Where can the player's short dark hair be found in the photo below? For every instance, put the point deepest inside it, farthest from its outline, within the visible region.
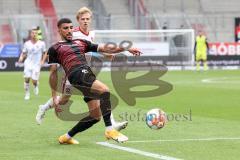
(33, 29)
(63, 20)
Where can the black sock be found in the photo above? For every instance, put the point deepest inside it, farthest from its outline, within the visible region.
(82, 125)
(105, 106)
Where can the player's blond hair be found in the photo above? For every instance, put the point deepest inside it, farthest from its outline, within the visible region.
(83, 10)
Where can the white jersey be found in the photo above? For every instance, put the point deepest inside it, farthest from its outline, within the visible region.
(78, 34)
(34, 53)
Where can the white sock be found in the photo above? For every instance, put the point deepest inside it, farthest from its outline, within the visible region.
(26, 87)
(46, 106)
(67, 135)
(49, 103)
(112, 119)
(108, 128)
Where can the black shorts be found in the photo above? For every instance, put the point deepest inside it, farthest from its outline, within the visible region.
(82, 78)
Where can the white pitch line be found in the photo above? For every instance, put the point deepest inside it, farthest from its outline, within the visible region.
(215, 80)
(136, 151)
(221, 80)
(184, 140)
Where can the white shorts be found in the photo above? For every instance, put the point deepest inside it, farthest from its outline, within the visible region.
(33, 73)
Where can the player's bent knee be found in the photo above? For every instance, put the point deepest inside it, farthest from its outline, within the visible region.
(103, 90)
(99, 87)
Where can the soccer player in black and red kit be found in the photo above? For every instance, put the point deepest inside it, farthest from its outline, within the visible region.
(71, 55)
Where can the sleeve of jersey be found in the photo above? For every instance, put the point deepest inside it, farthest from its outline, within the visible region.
(52, 56)
(91, 47)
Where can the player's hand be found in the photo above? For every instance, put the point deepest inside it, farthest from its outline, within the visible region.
(56, 105)
(135, 51)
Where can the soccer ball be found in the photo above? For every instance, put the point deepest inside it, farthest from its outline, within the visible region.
(156, 118)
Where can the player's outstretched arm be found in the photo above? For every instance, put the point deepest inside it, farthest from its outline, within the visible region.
(108, 48)
(135, 51)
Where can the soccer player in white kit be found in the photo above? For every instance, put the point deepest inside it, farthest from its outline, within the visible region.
(84, 17)
(33, 51)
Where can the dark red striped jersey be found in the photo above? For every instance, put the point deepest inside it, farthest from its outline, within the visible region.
(70, 54)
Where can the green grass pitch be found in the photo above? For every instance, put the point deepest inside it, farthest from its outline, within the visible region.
(208, 129)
